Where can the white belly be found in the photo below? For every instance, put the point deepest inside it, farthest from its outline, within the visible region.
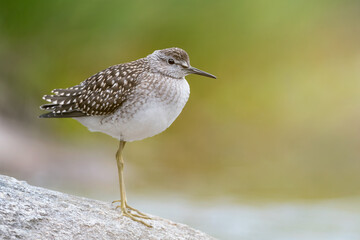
(150, 119)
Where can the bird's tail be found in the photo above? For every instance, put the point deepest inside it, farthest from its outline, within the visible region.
(61, 104)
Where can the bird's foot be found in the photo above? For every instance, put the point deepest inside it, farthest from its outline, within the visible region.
(132, 213)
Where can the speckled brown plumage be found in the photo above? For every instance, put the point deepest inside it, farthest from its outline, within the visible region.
(100, 94)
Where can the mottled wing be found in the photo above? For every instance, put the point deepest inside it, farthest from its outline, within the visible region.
(101, 94)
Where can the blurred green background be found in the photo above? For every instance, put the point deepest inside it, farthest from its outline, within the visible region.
(282, 121)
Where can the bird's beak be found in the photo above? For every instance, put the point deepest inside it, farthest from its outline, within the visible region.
(192, 70)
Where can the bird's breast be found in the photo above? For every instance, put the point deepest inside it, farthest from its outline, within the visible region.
(152, 109)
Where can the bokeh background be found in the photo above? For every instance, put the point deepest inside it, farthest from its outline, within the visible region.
(269, 150)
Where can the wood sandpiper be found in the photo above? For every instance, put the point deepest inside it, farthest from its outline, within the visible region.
(129, 101)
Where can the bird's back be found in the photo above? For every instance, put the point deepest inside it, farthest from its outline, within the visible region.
(99, 95)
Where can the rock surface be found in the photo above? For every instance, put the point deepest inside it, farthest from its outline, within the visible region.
(28, 212)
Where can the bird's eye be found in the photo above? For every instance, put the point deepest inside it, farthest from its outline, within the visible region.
(171, 61)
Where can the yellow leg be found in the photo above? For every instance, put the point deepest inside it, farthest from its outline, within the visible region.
(125, 208)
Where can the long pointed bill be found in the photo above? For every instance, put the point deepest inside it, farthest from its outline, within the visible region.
(193, 70)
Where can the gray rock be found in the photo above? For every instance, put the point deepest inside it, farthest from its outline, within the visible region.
(28, 212)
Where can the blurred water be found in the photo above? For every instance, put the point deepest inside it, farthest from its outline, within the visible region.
(331, 219)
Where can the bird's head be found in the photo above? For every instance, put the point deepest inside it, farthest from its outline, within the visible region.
(173, 62)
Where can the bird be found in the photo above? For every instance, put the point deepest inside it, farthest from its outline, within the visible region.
(129, 101)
